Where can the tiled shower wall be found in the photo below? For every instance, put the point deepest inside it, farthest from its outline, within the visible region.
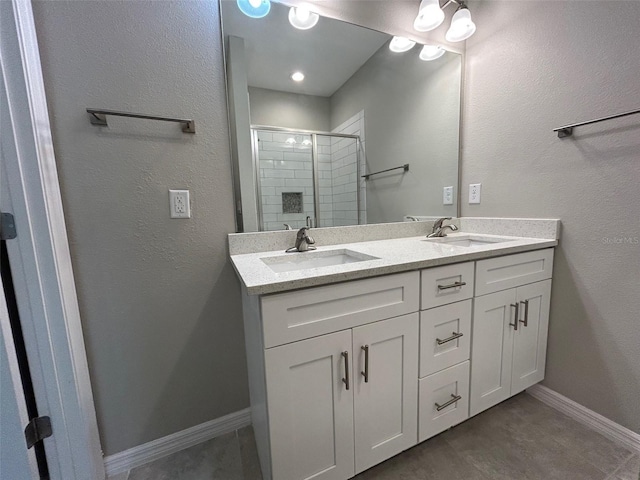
(286, 167)
(345, 175)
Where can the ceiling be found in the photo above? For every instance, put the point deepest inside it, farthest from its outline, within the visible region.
(328, 54)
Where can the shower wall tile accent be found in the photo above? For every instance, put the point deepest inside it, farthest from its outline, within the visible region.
(325, 186)
(345, 174)
(284, 168)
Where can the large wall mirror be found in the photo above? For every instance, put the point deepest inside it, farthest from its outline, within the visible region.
(368, 136)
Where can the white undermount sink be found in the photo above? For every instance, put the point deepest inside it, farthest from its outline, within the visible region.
(307, 260)
(469, 241)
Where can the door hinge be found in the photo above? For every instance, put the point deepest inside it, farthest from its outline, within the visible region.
(37, 430)
(7, 227)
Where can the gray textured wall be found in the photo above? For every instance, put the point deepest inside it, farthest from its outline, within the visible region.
(411, 115)
(533, 66)
(159, 300)
(291, 110)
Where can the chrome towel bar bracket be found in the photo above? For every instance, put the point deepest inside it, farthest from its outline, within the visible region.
(99, 118)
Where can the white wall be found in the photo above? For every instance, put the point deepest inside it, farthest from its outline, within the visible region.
(533, 66)
(289, 110)
(411, 115)
(159, 300)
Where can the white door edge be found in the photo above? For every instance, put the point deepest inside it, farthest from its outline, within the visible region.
(40, 259)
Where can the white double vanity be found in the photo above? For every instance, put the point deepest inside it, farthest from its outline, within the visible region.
(382, 338)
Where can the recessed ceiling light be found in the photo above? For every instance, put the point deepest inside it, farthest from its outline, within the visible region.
(297, 76)
(401, 44)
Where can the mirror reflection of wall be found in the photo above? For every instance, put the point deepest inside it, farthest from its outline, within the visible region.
(391, 108)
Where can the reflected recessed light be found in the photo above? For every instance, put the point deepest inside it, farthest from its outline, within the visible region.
(302, 18)
(401, 44)
(431, 52)
(297, 76)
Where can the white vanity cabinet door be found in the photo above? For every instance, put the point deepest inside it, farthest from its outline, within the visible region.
(530, 341)
(310, 409)
(492, 350)
(386, 403)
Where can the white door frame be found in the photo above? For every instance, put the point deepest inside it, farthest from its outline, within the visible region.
(40, 259)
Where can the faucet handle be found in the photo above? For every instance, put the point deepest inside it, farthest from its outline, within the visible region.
(438, 223)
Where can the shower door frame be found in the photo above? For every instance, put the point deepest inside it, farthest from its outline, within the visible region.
(314, 166)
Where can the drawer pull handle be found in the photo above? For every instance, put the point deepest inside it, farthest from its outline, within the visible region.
(454, 399)
(515, 323)
(345, 355)
(525, 322)
(365, 374)
(453, 285)
(449, 339)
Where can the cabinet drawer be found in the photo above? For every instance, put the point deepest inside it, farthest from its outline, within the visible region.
(435, 391)
(443, 285)
(445, 336)
(500, 273)
(288, 317)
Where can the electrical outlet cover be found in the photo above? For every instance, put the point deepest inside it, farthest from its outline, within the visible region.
(179, 204)
(447, 196)
(475, 189)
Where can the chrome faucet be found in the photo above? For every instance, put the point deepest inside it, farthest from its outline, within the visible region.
(303, 241)
(440, 230)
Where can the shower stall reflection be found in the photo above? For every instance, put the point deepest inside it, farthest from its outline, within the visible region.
(307, 174)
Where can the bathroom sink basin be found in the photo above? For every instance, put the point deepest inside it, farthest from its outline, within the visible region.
(469, 241)
(305, 261)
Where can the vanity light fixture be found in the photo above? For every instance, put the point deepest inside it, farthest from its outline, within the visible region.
(401, 44)
(306, 142)
(302, 18)
(431, 15)
(254, 8)
(431, 52)
(462, 27)
(297, 76)
(290, 141)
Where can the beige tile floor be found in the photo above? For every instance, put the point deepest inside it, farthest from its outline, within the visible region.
(519, 439)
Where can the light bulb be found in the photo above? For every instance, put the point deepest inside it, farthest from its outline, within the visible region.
(430, 16)
(462, 27)
(431, 52)
(254, 8)
(297, 76)
(302, 18)
(401, 44)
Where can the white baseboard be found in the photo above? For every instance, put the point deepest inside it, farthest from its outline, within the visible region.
(589, 418)
(148, 452)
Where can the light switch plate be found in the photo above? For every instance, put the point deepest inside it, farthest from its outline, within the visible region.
(474, 192)
(447, 196)
(179, 204)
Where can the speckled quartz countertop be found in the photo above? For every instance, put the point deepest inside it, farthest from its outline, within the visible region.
(391, 256)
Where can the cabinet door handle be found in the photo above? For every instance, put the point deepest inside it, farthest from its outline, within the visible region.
(454, 399)
(453, 285)
(449, 339)
(525, 322)
(345, 355)
(515, 323)
(365, 374)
